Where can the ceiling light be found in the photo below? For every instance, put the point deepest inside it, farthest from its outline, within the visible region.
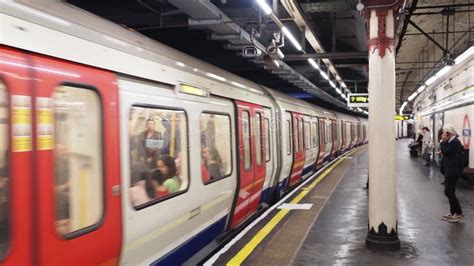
(324, 75)
(443, 71)
(238, 85)
(421, 88)
(292, 39)
(464, 55)
(264, 6)
(332, 84)
(431, 80)
(338, 90)
(313, 63)
(402, 107)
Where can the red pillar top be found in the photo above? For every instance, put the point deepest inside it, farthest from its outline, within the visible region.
(381, 7)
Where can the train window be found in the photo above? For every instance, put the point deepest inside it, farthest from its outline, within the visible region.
(289, 142)
(246, 139)
(328, 132)
(300, 134)
(258, 139)
(267, 139)
(78, 162)
(158, 154)
(314, 134)
(307, 135)
(297, 135)
(4, 173)
(216, 159)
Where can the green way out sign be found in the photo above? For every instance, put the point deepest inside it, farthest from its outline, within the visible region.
(358, 100)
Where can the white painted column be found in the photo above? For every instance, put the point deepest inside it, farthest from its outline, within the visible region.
(383, 231)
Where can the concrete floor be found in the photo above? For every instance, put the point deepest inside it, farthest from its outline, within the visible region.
(338, 235)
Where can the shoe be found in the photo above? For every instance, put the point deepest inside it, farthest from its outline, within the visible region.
(456, 218)
(443, 183)
(446, 217)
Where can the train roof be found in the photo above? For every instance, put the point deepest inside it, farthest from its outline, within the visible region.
(82, 37)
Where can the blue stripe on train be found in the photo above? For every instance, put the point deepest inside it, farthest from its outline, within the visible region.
(186, 250)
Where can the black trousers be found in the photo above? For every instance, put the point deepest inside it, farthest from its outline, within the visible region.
(450, 192)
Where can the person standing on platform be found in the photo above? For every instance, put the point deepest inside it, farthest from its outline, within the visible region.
(452, 151)
(427, 145)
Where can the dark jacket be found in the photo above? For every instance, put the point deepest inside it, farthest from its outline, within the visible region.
(452, 158)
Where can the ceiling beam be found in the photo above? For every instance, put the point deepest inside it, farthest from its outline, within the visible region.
(445, 6)
(335, 55)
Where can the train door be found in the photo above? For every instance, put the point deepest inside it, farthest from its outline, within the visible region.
(286, 152)
(299, 153)
(16, 147)
(269, 157)
(252, 166)
(322, 140)
(315, 139)
(334, 138)
(77, 177)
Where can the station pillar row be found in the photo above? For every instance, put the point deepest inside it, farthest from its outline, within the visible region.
(382, 223)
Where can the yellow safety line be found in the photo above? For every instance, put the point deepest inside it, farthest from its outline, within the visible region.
(258, 238)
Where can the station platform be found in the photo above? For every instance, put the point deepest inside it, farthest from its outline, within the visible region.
(333, 230)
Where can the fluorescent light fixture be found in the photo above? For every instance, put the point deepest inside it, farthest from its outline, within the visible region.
(238, 85)
(264, 6)
(195, 69)
(332, 84)
(343, 84)
(276, 63)
(421, 88)
(410, 97)
(181, 64)
(431, 80)
(402, 107)
(313, 63)
(338, 90)
(443, 71)
(215, 76)
(464, 55)
(324, 75)
(292, 39)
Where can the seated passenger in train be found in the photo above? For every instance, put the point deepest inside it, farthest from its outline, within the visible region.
(4, 210)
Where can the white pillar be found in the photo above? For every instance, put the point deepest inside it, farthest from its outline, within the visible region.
(383, 231)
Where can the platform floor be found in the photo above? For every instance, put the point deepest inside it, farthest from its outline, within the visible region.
(338, 235)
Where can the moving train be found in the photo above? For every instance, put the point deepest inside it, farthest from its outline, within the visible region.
(449, 99)
(117, 149)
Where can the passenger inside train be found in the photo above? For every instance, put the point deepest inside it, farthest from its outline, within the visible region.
(157, 168)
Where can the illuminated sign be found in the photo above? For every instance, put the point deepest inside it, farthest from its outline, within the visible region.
(402, 117)
(188, 89)
(358, 100)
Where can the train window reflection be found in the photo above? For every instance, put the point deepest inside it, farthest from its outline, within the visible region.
(307, 136)
(314, 134)
(216, 159)
(158, 154)
(267, 139)
(4, 173)
(246, 139)
(288, 143)
(77, 159)
(258, 138)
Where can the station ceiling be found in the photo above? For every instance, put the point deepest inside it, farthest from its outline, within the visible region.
(200, 28)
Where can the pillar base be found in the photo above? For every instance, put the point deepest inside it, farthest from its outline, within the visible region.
(382, 241)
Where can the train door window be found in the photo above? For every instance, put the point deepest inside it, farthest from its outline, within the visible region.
(334, 130)
(258, 139)
(301, 133)
(267, 139)
(78, 162)
(314, 134)
(158, 155)
(289, 142)
(328, 132)
(4, 172)
(246, 139)
(216, 158)
(296, 136)
(307, 135)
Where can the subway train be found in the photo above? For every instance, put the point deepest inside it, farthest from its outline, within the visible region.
(449, 99)
(116, 149)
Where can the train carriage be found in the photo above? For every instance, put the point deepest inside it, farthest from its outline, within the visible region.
(119, 147)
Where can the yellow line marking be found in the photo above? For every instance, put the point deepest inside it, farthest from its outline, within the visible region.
(260, 236)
